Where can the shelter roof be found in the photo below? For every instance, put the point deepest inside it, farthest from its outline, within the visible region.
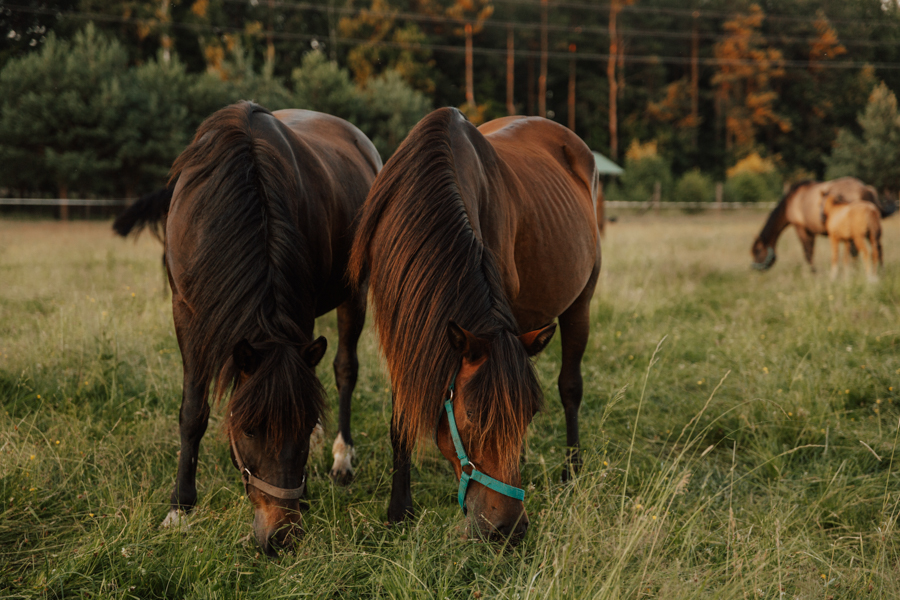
(606, 166)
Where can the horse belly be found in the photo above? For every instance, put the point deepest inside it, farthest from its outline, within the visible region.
(554, 266)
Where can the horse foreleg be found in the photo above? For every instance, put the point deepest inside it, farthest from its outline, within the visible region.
(878, 246)
(860, 242)
(808, 239)
(574, 325)
(401, 505)
(835, 252)
(192, 422)
(351, 316)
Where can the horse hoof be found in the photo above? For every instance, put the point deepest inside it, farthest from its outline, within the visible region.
(342, 477)
(570, 470)
(175, 518)
(396, 516)
(342, 470)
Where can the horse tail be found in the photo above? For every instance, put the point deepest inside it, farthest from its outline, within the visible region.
(149, 211)
(887, 207)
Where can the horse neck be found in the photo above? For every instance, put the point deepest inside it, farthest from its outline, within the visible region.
(776, 223)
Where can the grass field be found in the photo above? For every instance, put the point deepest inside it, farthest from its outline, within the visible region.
(754, 457)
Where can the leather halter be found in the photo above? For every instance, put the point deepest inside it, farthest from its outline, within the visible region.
(767, 261)
(248, 479)
(476, 475)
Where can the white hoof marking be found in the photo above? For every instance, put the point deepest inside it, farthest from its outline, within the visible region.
(317, 442)
(343, 455)
(175, 518)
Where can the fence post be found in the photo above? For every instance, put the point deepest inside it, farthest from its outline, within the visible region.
(720, 195)
(657, 193)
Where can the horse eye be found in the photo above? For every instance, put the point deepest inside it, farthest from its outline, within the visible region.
(249, 434)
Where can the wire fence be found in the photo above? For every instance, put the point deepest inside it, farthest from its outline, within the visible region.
(646, 205)
(650, 204)
(65, 202)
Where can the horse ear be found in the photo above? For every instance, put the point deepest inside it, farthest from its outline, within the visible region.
(535, 341)
(314, 351)
(246, 357)
(466, 343)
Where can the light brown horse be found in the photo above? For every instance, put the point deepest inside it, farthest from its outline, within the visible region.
(853, 222)
(475, 241)
(803, 207)
(257, 240)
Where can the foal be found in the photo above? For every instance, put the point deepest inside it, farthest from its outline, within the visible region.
(853, 222)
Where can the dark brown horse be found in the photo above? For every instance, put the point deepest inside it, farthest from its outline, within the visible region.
(474, 241)
(803, 207)
(257, 241)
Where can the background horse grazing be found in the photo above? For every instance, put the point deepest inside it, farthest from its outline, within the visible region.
(853, 222)
(472, 237)
(802, 206)
(257, 240)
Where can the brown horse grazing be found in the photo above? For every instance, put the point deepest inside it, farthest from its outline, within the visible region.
(853, 222)
(474, 241)
(802, 207)
(257, 241)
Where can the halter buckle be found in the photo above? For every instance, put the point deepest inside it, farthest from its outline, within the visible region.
(479, 476)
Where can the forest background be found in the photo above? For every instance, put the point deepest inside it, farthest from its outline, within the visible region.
(99, 96)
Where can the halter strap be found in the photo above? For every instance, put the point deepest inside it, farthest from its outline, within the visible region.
(476, 475)
(248, 479)
(767, 262)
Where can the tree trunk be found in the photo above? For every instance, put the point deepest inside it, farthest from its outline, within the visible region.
(572, 67)
(530, 83)
(270, 41)
(695, 83)
(165, 40)
(64, 206)
(542, 79)
(613, 85)
(510, 71)
(470, 79)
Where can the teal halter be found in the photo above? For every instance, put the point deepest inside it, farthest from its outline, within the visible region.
(482, 478)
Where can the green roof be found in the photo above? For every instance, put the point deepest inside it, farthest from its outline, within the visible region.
(606, 166)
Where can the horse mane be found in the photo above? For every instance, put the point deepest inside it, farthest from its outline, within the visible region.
(248, 277)
(426, 266)
(771, 230)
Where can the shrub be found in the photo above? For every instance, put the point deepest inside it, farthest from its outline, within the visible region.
(747, 186)
(694, 186)
(643, 168)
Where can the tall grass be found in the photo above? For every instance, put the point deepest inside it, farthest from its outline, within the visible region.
(739, 431)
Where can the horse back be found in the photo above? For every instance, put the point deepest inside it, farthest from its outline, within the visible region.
(326, 166)
(337, 165)
(550, 185)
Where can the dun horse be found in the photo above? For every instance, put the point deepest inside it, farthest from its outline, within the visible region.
(856, 223)
(803, 207)
(475, 241)
(257, 241)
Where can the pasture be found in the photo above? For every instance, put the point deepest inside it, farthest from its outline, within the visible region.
(739, 433)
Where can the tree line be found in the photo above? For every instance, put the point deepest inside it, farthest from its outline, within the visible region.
(714, 89)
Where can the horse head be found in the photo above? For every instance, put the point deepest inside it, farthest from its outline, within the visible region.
(276, 404)
(763, 255)
(491, 402)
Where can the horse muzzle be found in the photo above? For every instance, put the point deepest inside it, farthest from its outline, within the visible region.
(280, 535)
(767, 262)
